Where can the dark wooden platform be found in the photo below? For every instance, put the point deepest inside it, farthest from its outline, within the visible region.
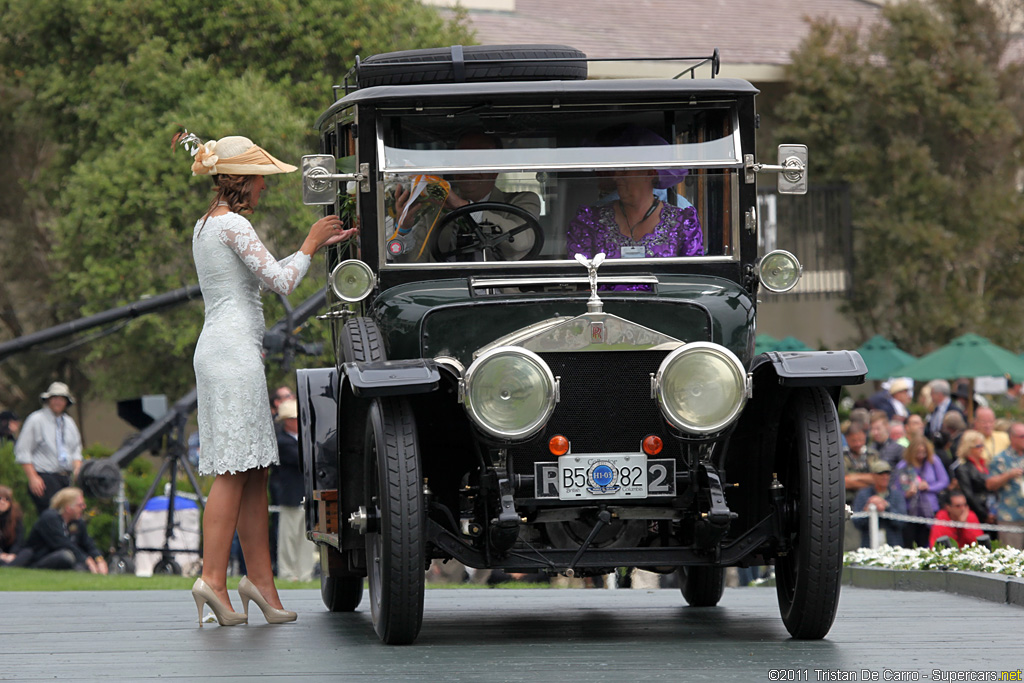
(504, 635)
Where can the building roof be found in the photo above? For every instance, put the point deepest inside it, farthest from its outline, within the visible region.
(754, 37)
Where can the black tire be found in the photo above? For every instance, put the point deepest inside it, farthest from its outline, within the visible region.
(480, 63)
(396, 542)
(341, 593)
(166, 567)
(810, 468)
(482, 242)
(361, 341)
(701, 586)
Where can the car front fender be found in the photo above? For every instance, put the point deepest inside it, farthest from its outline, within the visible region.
(392, 377)
(814, 368)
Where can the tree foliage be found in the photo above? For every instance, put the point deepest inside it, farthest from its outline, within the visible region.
(923, 116)
(98, 212)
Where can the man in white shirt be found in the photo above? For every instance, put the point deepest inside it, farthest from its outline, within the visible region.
(49, 446)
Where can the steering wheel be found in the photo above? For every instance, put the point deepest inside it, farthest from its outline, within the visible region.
(473, 238)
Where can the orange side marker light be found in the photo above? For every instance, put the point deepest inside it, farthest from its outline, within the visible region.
(558, 445)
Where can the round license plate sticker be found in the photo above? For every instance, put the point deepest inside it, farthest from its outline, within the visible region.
(602, 477)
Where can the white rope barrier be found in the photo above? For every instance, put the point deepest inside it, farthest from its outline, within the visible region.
(932, 521)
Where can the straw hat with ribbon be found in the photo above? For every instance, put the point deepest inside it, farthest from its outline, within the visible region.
(232, 155)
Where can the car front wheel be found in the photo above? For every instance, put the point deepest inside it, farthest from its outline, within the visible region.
(395, 542)
(810, 465)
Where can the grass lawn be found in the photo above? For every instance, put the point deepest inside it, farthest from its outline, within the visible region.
(50, 580)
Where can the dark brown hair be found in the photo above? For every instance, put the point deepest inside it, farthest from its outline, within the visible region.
(233, 190)
(9, 522)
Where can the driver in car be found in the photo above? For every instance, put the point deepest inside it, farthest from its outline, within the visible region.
(473, 188)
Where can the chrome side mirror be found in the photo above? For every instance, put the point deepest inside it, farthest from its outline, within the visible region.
(320, 180)
(317, 172)
(793, 169)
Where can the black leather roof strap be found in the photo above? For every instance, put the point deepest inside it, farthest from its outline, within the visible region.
(458, 64)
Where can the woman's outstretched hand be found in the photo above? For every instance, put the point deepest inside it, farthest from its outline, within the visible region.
(326, 231)
(341, 236)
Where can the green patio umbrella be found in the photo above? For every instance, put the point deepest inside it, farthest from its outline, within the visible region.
(883, 357)
(969, 355)
(791, 344)
(764, 343)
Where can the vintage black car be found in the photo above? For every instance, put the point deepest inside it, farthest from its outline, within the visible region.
(525, 380)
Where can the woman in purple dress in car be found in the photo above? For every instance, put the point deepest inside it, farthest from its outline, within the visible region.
(637, 224)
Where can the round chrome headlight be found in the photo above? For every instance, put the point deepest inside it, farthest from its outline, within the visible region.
(351, 280)
(509, 392)
(701, 387)
(779, 271)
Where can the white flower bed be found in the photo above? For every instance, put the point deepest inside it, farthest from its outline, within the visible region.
(975, 558)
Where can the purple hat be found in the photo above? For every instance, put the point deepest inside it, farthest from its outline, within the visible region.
(637, 136)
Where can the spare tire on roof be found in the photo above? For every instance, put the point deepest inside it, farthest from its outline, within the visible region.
(473, 63)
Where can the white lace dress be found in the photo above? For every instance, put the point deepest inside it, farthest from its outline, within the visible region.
(236, 432)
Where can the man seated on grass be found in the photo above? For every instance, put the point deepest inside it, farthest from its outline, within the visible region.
(59, 539)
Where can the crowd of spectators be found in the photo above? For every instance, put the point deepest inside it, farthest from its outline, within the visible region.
(931, 465)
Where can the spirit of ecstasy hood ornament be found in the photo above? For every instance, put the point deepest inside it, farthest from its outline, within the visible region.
(594, 304)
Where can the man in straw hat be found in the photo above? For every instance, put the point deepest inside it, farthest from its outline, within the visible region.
(893, 398)
(49, 447)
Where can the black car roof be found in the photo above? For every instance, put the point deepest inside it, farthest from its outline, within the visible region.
(612, 87)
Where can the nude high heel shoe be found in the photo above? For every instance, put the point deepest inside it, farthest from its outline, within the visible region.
(247, 590)
(204, 595)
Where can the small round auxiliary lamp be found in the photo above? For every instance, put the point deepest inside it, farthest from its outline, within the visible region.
(351, 280)
(779, 271)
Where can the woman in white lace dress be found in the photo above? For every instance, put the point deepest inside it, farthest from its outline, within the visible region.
(236, 433)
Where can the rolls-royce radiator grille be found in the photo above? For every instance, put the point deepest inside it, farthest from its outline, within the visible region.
(605, 405)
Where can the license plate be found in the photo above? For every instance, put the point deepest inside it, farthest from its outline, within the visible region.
(661, 478)
(602, 475)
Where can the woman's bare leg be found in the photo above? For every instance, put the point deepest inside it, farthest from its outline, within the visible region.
(219, 521)
(254, 534)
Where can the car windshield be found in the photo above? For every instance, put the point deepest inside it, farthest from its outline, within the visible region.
(520, 184)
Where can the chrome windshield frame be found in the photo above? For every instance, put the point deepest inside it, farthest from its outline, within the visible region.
(722, 164)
